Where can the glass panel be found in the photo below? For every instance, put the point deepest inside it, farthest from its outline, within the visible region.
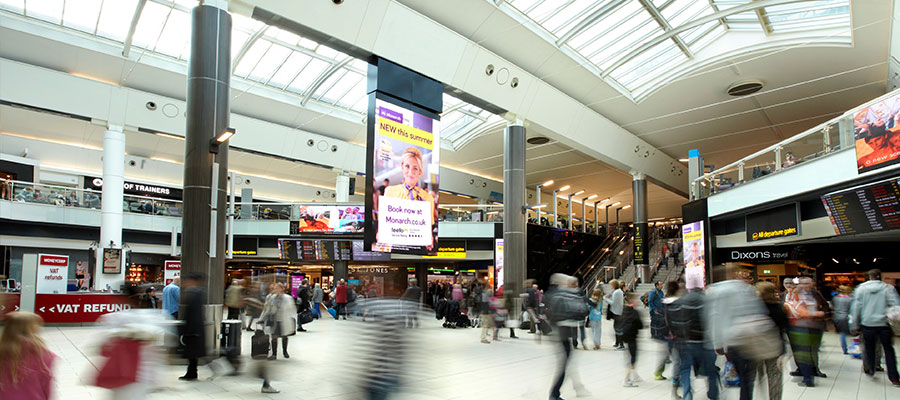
(329, 82)
(327, 52)
(696, 10)
(82, 14)
(252, 57)
(289, 70)
(175, 34)
(47, 10)
(309, 44)
(646, 61)
(285, 36)
(309, 75)
(115, 19)
(362, 105)
(270, 62)
(832, 22)
(599, 30)
(545, 9)
(342, 87)
(692, 35)
(567, 16)
(245, 24)
(238, 38)
(153, 18)
(644, 33)
(13, 5)
(524, 5)
(354, 95)
(749, 16)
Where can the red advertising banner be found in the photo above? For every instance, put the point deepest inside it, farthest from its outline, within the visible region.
(172, 271)
(9, 302)
(78, 308)
(52, 274)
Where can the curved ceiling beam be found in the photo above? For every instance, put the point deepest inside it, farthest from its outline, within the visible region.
(138, 9)
(246, 47)
(693, 24)
(590, 20)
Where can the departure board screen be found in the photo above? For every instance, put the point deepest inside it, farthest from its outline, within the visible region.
(869, 208)
(315, 250)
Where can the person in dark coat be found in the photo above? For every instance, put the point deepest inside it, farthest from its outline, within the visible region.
(193, 335)
(412, 295)
(304, 294)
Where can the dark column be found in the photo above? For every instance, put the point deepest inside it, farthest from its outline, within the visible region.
(340, 271)
(422, 278)
(514, 266)
(205, 173)
(641, 234)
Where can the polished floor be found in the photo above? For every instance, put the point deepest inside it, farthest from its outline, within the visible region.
(442, 364)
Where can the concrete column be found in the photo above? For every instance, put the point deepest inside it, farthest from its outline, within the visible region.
(111, 206)
(641, 234)
(342, 188)
(606, 222)
(205, 173)
(514, 260)
(571, 226)
(695, 169)
(422, 278)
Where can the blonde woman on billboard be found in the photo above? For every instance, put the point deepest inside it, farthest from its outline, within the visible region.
(412, 166)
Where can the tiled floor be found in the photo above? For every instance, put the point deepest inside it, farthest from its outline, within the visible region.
(446, 364)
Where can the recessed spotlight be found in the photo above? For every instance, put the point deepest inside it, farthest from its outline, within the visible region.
(683, 159)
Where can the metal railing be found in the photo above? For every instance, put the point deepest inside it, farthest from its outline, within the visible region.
(470, 213)
(60, 196)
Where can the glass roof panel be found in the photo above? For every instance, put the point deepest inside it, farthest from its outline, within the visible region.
(115, 18)
(357, 92)
(291, 67)
(342, 87)
(586, 42)
(690, 36)
(251, 58)
(270, 62)
(566, 18)
(634, 37)
(175, 34)
(308, 75)
(17, 6)
(330, 81)
(82, 14)
(238, 38)
(47, 10)
(692, 11)
(150, 24)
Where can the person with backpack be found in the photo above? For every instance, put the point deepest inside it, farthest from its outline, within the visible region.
(567, 310)
(631, 324)
(870, 310)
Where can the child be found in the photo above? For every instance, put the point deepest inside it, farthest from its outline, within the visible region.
(596, 316)
(631, 324)
(27, 365)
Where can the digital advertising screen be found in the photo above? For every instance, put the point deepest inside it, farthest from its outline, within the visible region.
(869, 208)
(498, 262)
(877, 134)
(404, 148)
(330, 219)
(694, 254)
(777, 222)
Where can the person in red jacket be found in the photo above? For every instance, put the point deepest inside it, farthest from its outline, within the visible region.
(340, 298)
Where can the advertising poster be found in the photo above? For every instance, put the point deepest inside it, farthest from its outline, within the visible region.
(640, 247)
(498, 262)
(405, 178)
(112, 261)
(296, 282)
(694, 255)
(877, 135)
(52, 274)
(172, 271)
(331, 219)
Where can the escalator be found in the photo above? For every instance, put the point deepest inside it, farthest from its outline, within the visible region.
(574, 253)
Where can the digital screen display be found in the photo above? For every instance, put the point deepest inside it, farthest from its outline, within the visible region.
(694, 255)
(877, 134)
(314, 250)
(773, 223)
(869, 208)
(404, 175)
(360, 253)
(329, 219)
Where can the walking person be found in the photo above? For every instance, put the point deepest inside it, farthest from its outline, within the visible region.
(596, 316)
(567, 309)
(631, 324)
(340, 299)
(658, 329)
(772, 368)
(487, 317)
(805, 331)
(278, 319)
(27, 364)
(171, 296)
(234, 299)
(317, 297)
(193, 333)
(412, 296)
(304, 294)
(871, 300)
(616, 301)
(841, 318)
(684, 318)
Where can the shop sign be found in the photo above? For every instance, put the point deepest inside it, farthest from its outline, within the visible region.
(52, 273)
(370, 270)
(449, 252)
(78, 308)
(112, 261)
(137, 189)
(245, 246)
(172, 270)
(754, 254)
(773, 223)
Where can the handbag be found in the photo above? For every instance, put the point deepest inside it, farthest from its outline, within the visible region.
(306, 317)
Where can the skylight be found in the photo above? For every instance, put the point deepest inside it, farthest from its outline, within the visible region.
(639, 46)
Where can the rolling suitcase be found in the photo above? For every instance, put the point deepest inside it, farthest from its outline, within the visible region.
(259, 348)
(544, 326)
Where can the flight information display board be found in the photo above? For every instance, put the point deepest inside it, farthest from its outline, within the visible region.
(863, 209)
(314, 250)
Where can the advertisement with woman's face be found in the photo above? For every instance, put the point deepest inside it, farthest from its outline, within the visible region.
(405, 180)
(694, 255)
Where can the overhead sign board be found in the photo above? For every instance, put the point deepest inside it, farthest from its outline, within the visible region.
(773, 223)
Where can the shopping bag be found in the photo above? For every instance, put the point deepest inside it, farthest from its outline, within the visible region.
(854, 350)
(730, 375)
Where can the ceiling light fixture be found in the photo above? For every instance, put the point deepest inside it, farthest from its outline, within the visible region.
(578, 192)
(615, 204)
(564, 188)
(593, 196)
(683, 159)
(626, 207)
(548, 183)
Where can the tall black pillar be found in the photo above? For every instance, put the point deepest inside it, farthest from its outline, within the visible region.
(641, 233)
(422, 278)
(514, 266)
(205, 173)
(340, 271)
